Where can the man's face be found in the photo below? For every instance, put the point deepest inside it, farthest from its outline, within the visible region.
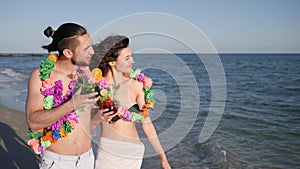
(84, 52)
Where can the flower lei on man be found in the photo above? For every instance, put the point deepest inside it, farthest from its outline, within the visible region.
(53, 97)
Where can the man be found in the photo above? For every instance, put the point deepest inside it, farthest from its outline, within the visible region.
(59, 118)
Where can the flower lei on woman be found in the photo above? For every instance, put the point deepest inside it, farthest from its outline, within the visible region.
(53, 97)
(125, 114)
(147, 109)
(106, 94)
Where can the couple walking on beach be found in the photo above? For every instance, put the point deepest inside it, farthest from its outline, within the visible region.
(59, 112)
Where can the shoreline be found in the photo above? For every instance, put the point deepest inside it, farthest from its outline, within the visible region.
(15, 153)
(21, 54)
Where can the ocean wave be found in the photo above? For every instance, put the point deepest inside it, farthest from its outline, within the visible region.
(218, 156)
(13, 75)
(21, 96)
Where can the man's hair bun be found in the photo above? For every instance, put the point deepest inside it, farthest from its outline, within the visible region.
(49, 32)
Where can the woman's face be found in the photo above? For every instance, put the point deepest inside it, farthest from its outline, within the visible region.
(124, 61)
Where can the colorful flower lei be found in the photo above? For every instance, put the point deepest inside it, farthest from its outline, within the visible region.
(106, 94)
(53, 97)
(147, 109)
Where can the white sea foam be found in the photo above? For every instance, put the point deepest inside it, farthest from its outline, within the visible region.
(15, 76)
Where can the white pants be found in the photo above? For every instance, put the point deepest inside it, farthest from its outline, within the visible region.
(50, 160)
(112, 154)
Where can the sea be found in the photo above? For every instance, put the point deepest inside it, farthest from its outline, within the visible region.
(221, 111)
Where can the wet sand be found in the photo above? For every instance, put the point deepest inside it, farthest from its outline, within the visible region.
(14, 151)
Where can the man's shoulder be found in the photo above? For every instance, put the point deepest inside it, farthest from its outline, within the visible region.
(35, 72)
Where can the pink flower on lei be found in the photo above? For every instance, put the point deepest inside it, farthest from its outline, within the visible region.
(147, 83)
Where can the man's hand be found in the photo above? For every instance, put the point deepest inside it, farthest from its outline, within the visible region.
(81, 101)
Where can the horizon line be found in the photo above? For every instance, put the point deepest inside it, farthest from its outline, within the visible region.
(225, 53)
(221, 53)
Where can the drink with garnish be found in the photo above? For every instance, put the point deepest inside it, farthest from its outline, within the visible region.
(106, 100)
(88, 84)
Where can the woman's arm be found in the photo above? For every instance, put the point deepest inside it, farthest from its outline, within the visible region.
(150, 131)
(151, 134)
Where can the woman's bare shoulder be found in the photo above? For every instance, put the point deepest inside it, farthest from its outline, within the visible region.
(136, 84)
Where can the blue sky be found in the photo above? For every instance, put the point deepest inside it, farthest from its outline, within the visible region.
(232, 26)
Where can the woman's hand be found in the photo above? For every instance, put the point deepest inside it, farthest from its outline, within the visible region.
(164, 162)
(106, 114)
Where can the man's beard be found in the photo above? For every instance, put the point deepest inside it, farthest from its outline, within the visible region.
(79, 63)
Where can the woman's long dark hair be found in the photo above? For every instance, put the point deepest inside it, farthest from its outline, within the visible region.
(107, 51)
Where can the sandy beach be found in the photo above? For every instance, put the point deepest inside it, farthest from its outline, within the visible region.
(14, 152)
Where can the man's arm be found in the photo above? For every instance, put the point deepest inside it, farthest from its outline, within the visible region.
(37, 116)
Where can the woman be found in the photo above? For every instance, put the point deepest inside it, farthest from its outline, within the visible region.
(120, 145)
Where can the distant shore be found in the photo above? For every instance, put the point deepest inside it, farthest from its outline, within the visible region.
(22, 54)
(42, 54)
